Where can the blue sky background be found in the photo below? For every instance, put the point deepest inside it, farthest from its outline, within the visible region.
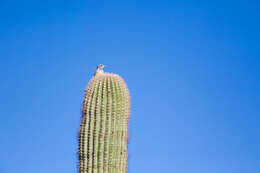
(192, 68)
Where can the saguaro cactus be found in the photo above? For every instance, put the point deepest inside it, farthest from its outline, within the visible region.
(103, 133)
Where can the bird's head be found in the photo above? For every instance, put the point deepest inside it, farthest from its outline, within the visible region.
(101, 66)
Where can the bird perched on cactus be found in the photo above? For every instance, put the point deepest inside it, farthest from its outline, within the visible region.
(99, 69)
(103, 132)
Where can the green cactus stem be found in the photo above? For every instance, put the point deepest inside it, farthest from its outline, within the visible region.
(103, 133)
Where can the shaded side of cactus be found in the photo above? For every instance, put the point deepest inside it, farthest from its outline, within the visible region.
(103, 133)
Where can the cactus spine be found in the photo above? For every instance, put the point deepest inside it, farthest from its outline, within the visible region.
(103, 133)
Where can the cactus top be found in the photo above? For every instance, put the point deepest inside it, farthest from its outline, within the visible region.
(103, 133)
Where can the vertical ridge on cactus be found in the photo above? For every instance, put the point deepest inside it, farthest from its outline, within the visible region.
(103, 133)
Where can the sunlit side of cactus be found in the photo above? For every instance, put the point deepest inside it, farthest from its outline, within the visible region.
(103, 133)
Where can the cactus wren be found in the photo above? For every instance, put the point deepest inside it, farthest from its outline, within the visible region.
(99, 69)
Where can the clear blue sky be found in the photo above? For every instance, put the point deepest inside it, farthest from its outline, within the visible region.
(192, 68)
